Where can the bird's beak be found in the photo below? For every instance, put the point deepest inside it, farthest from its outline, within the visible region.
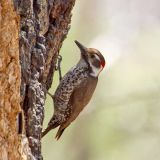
(82, 48)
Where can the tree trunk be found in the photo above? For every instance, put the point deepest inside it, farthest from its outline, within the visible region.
(31, 35)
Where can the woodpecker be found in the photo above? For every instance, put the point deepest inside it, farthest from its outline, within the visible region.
(75, 89)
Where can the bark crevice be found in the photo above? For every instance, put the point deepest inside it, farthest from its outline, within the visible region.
(31, 34)
(43, 28)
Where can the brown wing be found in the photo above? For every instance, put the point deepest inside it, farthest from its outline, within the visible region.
(81, 96)
(79, 99)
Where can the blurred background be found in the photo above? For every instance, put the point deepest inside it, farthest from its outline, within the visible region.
(122, 121)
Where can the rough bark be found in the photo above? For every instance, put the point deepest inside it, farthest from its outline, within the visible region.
(42, 27)
(10, 142)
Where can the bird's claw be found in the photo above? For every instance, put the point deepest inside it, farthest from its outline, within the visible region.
(58, 66)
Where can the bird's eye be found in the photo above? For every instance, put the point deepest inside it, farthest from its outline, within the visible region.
(92, 56)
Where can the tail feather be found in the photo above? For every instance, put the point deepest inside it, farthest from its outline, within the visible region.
(59, 133)
(50, 127)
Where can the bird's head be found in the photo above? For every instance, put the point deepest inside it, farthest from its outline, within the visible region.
(93, 58)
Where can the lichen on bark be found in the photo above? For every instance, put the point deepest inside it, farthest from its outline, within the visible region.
(43, 28)
(31, 35)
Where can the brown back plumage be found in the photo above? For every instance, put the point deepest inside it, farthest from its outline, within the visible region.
(75, 89)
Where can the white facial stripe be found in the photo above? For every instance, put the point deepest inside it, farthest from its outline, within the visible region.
(95, 71)
(97, 57)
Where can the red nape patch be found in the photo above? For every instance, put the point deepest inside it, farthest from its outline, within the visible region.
(103, 63)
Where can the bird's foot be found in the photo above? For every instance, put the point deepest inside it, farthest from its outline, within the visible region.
(58, 66)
